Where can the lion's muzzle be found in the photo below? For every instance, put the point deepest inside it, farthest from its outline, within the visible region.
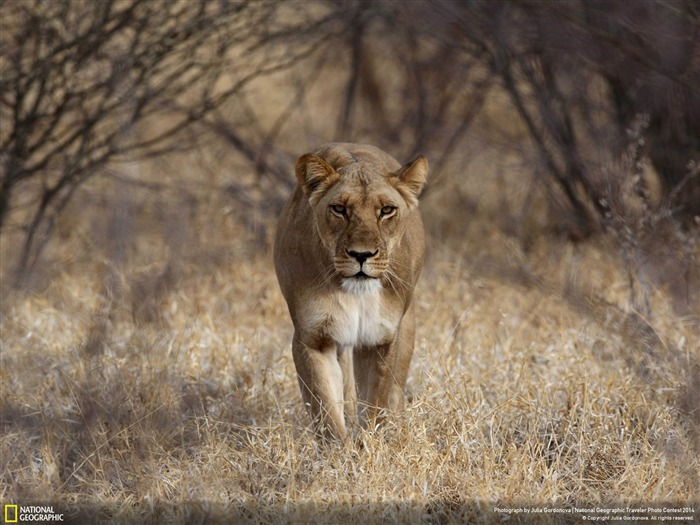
(361, 257)
(360, 264)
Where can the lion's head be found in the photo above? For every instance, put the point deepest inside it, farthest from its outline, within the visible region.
(359, 209)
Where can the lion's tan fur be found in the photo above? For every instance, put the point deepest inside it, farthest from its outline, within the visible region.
(348, 253)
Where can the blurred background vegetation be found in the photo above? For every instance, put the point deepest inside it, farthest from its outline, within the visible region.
(565, 119)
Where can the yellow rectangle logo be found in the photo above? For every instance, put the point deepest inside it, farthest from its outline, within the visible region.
(11, 514)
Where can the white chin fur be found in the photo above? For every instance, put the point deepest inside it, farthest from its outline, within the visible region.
(357, 286)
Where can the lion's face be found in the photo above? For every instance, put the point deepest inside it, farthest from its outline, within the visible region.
(360, 215)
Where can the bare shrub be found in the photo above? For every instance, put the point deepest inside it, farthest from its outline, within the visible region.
(87, 83)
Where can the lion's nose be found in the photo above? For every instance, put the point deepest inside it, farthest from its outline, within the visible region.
(361, 257)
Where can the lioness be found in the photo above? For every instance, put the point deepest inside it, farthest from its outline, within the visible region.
(348, 253)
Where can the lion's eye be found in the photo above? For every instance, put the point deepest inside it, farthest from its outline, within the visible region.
(387, 211)
(338, 209)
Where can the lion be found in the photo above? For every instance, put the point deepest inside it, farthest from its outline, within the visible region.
(348, 252)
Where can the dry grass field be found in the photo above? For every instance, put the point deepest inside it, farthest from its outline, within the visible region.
(147, 377)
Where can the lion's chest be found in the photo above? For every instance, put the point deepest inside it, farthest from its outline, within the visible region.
(353, 319)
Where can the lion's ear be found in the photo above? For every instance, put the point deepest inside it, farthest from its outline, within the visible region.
(315, 175)
(410, 179)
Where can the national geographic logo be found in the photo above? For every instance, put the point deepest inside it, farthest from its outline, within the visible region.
(10, 514)
(13, 513)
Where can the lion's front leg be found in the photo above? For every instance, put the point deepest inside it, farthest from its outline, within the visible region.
(345, 358)
(382, 370)
(321, 383)
(380, 383)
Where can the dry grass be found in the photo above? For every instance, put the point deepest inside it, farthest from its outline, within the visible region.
(148, 377)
